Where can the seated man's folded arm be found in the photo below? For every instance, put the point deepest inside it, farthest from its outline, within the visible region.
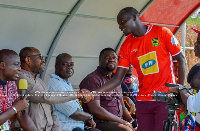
(80, 115)
(101, 113)
(38, 93)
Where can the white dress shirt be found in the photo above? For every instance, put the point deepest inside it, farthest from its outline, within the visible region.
(193, 103)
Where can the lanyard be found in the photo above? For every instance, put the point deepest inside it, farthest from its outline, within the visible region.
(4, 98)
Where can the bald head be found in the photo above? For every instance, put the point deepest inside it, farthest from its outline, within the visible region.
(64, 66)
(60, 57)
(194, 77)
(195, 70)
(129, 10)
(6, 53)
(130, 23)
(9, 65)
(26, 51)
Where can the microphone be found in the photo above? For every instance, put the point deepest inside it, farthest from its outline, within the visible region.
(23, 84)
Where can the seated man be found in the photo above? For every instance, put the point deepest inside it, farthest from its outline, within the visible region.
(40, 99)
(9, 72)
(108, 109)
(69, 114)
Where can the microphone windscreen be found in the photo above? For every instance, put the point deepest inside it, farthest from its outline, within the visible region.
(23, 84)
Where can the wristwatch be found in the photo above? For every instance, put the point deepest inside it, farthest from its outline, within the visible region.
(180, 87)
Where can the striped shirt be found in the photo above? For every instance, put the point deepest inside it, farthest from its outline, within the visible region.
(64, 110)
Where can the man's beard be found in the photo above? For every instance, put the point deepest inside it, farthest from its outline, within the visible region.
(37, 70)
(110, 68)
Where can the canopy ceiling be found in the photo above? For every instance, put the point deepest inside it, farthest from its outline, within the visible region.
(171, 13)
(81, 28)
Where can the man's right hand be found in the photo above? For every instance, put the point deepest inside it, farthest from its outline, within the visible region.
(20, 104)
(129, 124)
(92, 124)
(173, 90)
(132, 109)
(85, 95)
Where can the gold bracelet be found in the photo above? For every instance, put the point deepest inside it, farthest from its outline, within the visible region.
(14, 109)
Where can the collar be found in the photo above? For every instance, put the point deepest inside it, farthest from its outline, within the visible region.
(53, 75)
(27, 72)
(149, 27)
(106, 75)
(2, 83)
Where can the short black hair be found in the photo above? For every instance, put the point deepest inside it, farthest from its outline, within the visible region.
(129, 10)
(24, 52)
(106, 49)
(60, 57)
(193, 71)
(5, 53)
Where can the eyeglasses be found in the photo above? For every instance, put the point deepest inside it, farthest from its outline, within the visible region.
(40, 56)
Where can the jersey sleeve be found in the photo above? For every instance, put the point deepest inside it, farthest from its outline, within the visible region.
(172, 44)
(123, 55)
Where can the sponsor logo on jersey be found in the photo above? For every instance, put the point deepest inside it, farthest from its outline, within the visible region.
(174, 41)
(148, 63)
(155, 42)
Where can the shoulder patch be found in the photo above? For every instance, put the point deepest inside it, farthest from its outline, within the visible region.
(174, 41)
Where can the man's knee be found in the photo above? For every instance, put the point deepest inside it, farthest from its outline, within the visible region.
(77, 129)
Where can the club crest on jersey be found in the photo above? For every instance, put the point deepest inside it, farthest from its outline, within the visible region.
(148, 63)
(174, 41)
(155, 42)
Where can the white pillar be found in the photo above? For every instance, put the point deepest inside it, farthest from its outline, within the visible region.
(183, 37)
